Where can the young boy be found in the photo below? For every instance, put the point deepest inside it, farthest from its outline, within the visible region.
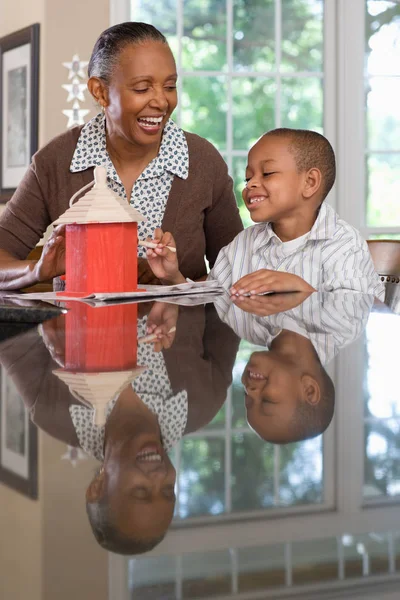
(299, 243)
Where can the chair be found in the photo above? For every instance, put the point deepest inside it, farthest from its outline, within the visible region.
(386, 258)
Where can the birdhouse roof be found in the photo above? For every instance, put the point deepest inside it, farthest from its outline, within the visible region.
(100, 205)
(97, 389)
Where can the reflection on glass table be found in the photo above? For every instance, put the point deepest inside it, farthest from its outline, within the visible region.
(295, 566)
(382, 407)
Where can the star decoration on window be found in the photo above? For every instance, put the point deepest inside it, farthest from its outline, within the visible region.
(76, 67)
(75, 90)
(75, 115)
(74, 455)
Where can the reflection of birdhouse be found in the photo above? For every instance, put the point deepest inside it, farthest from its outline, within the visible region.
(101, 241)
(96, 390)
(100, 353)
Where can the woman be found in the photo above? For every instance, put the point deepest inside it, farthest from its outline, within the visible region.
(177, 180)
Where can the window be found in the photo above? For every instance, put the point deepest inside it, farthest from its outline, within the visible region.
(244, 68)
(382, 93)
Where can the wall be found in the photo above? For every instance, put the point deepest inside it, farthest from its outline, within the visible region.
(20, 546)
(67, 27)
(74, 565)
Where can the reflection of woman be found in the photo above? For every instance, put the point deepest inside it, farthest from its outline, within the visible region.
(130, 500)
(177, 180)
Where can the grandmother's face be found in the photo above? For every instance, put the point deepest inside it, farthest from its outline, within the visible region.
(142, 92)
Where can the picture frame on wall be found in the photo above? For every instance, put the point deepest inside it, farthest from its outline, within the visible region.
(18, 441)
(19, 106)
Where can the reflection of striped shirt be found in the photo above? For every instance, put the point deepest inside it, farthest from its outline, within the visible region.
(331, 256)
(329, 320)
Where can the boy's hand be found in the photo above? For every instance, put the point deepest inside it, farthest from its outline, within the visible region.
(266, 280)
(264, 306)
(162, 261)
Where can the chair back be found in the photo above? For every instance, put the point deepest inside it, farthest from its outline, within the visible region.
(386, 258)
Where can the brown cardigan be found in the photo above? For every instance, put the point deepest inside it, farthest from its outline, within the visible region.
(201, 211)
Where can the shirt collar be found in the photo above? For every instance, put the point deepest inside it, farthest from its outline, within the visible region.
(323, 228)
(91, 151)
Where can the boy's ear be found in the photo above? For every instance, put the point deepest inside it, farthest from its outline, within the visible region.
(311, 390)
(312, 182)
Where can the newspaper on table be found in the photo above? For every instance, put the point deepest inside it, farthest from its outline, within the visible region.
(191, 289)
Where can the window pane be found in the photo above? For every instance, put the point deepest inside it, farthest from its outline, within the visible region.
(383, 101)
(382, 408)
(384, 236)
(201, 477)
(254, 35)
(314, 560)
(203, 108)
(253, 110)
(238, 173)
(204, 40)
(365, 554)
(162, 16)
(152, 577)
(301, 479)
(261, 567)
(382, 37)
(206, 574)
(302, 103)
(252, 473)
(382, 465)
(383, 183)
(302, 35)
(253, 467)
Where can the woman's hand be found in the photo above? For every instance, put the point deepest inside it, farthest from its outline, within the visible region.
(53, 335)
(162, 261)
(145, 274)
(161, 323)
(52, 262)
(265, 280)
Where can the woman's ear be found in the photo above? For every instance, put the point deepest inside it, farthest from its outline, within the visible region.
(96, 488)
(312, 182)
(98, 90)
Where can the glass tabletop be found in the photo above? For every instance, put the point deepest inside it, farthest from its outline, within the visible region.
(157, 450)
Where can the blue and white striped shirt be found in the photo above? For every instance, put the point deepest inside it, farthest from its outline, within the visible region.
(329, 320)
(332, 256)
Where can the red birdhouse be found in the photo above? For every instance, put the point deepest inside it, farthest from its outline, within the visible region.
(101, 241)
(100, 354)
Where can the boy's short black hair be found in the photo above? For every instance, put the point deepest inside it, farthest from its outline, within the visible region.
(311, 150)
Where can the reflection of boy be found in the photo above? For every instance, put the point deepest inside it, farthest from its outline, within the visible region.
(288, 394)
(299, 242)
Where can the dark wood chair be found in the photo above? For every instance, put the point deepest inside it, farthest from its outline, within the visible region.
(386, 258)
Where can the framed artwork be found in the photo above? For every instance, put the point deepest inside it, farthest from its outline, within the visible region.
(18, 441)
(19, 104)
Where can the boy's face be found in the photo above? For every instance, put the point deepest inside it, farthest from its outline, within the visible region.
(274, 185)
(273, 387)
